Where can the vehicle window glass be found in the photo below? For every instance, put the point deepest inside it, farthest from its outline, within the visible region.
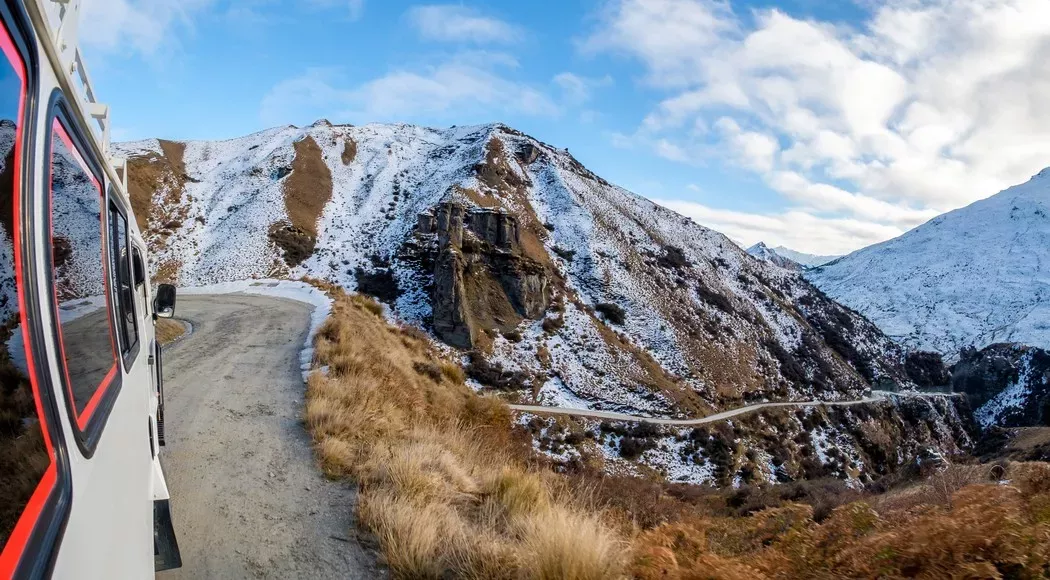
(125, 285)
(86, 338)
(27, 468)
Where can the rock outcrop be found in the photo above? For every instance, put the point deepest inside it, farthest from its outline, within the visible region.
(1007, 384)
(483, 283)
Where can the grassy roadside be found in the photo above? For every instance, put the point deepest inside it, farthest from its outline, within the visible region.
(169, 330)
(446, 485)
(452, 489)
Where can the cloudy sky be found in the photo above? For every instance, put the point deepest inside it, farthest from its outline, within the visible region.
(822, 126)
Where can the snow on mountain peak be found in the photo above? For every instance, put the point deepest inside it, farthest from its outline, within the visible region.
(766, 254)
(971, 277)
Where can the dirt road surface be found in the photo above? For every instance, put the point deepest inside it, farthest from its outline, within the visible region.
(248, 500)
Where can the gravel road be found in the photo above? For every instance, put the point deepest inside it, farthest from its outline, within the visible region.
(248, 500)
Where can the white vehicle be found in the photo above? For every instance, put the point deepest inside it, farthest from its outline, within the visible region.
(82, 492)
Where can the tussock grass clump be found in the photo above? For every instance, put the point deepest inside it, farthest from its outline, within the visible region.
(169, 330)
(368, 303)
(453, 372)
(447, 485)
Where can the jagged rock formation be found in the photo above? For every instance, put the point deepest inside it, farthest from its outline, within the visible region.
(1007, 384)
(482, 281)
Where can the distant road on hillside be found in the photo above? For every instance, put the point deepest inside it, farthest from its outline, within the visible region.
(613, 416)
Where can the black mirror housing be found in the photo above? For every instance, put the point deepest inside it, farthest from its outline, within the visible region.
(164, 301)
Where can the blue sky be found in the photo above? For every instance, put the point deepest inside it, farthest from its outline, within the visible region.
(823, 126)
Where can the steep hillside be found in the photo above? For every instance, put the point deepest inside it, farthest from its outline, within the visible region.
(555, 284)
(971, 277)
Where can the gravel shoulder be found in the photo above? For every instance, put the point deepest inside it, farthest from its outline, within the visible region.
(248, 498)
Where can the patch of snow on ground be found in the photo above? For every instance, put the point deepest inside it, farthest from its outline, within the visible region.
(670, 458)
(554, 393)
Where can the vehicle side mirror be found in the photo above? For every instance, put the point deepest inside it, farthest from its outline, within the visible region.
(164, 301)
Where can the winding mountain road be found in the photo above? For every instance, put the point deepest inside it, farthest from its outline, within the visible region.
(611, 415)
(248, 499)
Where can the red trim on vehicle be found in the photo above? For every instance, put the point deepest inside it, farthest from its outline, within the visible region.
(26, 522)
(84, 417)
(16, 543)
(89, 409)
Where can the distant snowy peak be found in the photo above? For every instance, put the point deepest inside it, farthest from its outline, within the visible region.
(766, 254)
(971, 277)
(808, 260)
(788, 258)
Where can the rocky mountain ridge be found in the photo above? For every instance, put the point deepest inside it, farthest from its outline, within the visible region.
(556, 286)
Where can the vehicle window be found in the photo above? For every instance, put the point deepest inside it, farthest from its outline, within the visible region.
(121, 263)
(27, 466)
(86, 337)
(140, 281)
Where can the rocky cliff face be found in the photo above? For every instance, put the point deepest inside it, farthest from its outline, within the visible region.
(1008, 384)
(483, 283)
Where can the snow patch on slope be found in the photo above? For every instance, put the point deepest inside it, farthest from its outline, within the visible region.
(1012, 398)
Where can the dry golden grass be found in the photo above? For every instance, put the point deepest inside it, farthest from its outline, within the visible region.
(446, 483)
(985, 530)
(169, 330)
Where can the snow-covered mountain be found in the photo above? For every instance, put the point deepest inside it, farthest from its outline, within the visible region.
(555, 283)
(788, 258)
(761, 251)
(808, 260)
(974, 276)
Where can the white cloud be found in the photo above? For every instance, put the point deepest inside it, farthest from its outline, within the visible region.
(668, 150)
(578, 89)
(794, 229)
(456, 23)
(468, 84)
(136, 26)
(927, 106)
(672, 36)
